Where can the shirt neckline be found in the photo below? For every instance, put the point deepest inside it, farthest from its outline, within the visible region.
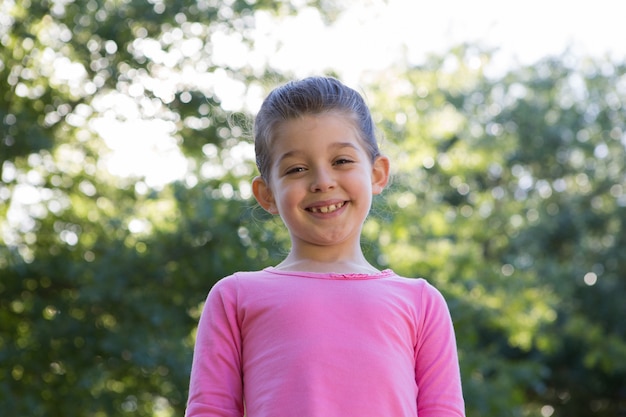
(331, 275)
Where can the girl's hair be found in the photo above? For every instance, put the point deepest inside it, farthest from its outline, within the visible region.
(310, 96)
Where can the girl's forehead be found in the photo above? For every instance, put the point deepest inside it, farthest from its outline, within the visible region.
(332, 121)
(311, 130)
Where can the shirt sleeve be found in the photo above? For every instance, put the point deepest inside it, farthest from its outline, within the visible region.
(437, 371)
(216, 388)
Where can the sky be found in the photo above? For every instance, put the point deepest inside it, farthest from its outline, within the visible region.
(374, 32)
(373, 35)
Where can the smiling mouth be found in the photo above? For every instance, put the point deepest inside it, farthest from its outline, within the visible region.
(327, 209)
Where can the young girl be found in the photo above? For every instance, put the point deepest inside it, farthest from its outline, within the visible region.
(323, 333)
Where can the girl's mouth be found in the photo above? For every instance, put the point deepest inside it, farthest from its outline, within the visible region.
(327, 209)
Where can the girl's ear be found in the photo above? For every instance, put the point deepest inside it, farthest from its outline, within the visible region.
(263, 195)
(380, 174)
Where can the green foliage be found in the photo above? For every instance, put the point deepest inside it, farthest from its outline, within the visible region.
(508, 194)
(102, 278)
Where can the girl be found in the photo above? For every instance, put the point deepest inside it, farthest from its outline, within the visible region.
(323, 333)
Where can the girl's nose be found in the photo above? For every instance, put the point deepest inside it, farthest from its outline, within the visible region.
(323, 180)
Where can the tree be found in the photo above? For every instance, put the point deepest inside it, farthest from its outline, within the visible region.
(509, 195)
(102, 277)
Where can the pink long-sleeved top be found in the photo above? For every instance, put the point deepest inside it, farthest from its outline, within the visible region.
(303, 344)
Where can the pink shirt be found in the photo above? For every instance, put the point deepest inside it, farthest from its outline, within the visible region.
(303, 344)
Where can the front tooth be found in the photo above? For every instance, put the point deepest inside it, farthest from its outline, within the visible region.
(326, 209)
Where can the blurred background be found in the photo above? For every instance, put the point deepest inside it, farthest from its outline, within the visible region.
(126, 160)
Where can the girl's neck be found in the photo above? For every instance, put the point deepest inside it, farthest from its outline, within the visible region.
(353, 265)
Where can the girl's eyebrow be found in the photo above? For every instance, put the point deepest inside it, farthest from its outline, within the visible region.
(339, 145)
(288, 154)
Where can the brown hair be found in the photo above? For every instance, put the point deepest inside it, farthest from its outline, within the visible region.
(310, 96)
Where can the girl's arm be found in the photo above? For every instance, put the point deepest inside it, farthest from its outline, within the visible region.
(437, 371)
(215, 388)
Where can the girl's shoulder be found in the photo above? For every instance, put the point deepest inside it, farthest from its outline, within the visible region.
(420, 287)
(236, 279)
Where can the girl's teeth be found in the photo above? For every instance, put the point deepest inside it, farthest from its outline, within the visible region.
(327, 209)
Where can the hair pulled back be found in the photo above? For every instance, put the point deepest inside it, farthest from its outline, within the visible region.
(310, 96)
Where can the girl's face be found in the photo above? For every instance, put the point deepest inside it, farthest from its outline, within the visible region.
(321, 180)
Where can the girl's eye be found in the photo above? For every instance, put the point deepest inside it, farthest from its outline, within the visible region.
(343, 161)
(294, 170)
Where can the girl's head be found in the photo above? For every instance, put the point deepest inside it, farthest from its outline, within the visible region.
(310, 96)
